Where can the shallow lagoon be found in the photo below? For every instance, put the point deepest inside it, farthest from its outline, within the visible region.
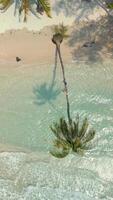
(28, 106)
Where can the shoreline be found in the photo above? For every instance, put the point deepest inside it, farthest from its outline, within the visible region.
(37, 48)
(13, 149)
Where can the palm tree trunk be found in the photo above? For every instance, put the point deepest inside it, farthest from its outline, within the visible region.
(54, 70)
(65, 83)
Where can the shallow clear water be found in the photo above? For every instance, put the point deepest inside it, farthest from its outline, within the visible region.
(28, 106)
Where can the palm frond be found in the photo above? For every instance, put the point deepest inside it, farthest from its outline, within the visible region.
(84, 128)
(62, 148)
(62, 144)
(77, 144)
(64, 129)
(61, 29)
(46, 6)
(59, 154)
(24, 6)
(33, 11)
(89, 136)
(56, 130)
(5, 4)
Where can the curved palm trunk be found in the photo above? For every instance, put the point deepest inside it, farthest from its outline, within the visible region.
(55, 67)
(65, 83)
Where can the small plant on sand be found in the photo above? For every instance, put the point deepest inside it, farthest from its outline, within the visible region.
(69, 135)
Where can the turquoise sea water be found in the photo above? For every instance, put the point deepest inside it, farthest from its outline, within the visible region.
(28, 106)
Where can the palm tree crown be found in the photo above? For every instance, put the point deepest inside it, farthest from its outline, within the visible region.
(71, 137)
(61, 29)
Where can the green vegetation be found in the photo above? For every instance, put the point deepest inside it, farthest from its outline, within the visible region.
(71, 136)
(61, 29)
(40, 6)
(24, 6)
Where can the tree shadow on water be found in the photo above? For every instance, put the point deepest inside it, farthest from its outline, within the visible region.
(45, 93)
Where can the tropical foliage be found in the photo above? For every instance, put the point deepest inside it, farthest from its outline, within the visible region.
(61, 29)
(70, 137)
(24, 6)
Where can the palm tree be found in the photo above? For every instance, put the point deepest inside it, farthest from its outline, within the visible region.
(24, 6)
(68, 134)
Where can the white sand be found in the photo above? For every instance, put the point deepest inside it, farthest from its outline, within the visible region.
(31, 47)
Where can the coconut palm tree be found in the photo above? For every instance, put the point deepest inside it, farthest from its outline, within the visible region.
(24, 6)
(68, 135)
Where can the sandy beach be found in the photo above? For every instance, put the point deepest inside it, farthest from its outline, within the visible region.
(85, 42)
(33, 43)
(30, 46)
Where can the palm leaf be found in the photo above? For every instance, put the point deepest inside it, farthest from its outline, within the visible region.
(59, 154)
(62, 148)
(61, 144)
(77, 144)
(64, 128)
(46, 6)
(33, 11)
(25, 6)
(76, 125)
(84, 128)
(57, 130)
(61, 29)
(90, 135)
(5, 4)
(74, 129)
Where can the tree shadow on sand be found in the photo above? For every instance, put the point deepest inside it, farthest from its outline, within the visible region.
(92, 41)
(77, 8)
